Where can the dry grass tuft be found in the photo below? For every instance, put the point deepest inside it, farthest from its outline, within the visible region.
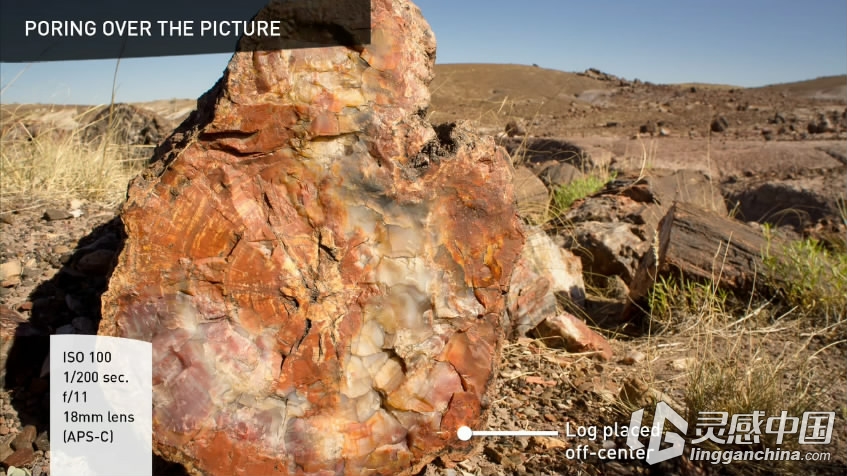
(59, 164)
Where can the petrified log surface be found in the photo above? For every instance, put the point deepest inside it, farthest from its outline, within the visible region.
(706, 246)
(320, 271)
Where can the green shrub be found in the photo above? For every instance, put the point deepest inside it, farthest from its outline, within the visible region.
(565, 195)
(810, 277)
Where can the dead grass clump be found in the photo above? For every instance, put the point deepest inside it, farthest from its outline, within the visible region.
(60, 164)
(737, 375)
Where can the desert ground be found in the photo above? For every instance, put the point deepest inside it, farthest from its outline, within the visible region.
(773, 156)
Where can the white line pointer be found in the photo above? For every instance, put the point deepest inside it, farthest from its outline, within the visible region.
(464, 433)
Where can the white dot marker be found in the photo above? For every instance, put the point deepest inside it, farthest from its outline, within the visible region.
(464, 433)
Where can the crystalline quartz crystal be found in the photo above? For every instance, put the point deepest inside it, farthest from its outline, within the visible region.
(320, 271)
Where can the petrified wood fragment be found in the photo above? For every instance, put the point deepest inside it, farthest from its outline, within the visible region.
(320, 271)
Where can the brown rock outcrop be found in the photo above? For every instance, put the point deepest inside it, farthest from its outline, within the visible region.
(320, 271)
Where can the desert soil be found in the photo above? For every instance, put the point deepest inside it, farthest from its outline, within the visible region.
(623, 125)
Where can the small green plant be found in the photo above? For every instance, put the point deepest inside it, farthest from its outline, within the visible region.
(809, 277)
(675, 302)
(565, 195)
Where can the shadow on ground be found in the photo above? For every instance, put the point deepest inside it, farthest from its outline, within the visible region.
(70, 302)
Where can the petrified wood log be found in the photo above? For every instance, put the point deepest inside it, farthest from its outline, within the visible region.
(706, 246)
(320, 271)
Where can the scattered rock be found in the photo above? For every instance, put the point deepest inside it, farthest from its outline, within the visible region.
(595, 73)
(821, 125)
(97, 262)
(24, 438)
(668, 186)
(20, 458)
(556, 174)
(777, 118)
(546, 443)
(55, 214)
(354, 267)
(683, 363)
(799, 203)
(14, 325)
(719, 124)
(531, 194)
(636, 393)
(633, 357)
(125, 124)
(535, 152)
(514, 129)
(543, 272)
(647, 128)
(84, 325)
(608, 248)
(10, 269)
(573, 335)
(42, 442)
(11, 282)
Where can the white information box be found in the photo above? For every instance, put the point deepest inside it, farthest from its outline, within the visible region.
(100, 406)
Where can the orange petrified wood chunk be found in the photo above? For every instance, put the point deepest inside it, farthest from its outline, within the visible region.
(321, 272)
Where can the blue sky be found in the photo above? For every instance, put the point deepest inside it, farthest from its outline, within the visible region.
(744, 43)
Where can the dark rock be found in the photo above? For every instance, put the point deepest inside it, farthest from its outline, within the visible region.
(96, 262)
(42, 442)
(39, 385)
(556, 174)
(777, 118)
(797, 203)
(126, 124)
(719, 124)
(648, 128)
(14, 327)
(31, 273)
(55, 214)
(514, 129)
(821, 125)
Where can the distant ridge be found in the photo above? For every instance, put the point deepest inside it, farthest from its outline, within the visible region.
(824, 87)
